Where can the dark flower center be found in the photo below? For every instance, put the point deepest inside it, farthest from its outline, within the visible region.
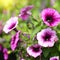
(55, 59)
(14, 38)
(47, 37)
(12, 25)
(36, 49)
(49, 18)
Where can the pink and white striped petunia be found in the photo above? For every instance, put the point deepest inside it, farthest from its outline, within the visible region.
(10, 24)
(14, 41)
(50, 17)
(47, 37)
(25, 12)
(54, 58)
(34, 50)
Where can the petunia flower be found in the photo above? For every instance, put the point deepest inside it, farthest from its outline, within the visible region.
(3, 53)
(47, 37)
(14, 41)
(54, 58)
(25, 12)
(10, 24)
(34, 50)
(50, 17)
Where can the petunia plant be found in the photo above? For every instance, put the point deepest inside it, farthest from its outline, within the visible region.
(37, 41)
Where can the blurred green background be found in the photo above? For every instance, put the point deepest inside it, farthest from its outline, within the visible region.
(12, 7)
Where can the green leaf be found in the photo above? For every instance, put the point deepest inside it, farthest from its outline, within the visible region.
(46, 52)
(37, 29)
(59, 47)
(54, 51)
(0, 16)
(57, 5)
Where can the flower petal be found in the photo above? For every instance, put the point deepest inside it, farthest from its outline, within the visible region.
(10, 24)
(14, 41)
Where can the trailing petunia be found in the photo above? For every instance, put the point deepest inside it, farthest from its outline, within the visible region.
(54, 58)
(47, 37)
(14, 41)
(10, 24)
(25, 12)
(34, 50)
(50, 17)
(3, 53)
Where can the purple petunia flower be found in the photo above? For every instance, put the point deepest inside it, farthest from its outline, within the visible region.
(25, 12)
(34, 50)
(50, 17)
(54, 58)
(14, 41)
(10, 24)
(47, 37)
(5, 51)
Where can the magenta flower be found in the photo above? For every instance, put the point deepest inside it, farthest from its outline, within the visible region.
(47, 37)
(14, 41)
(25, 12)
(54, 58)
(5, 51)
(10, 24)
(34, 50)
(50, 17)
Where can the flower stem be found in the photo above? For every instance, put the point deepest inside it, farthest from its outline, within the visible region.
(15, 30)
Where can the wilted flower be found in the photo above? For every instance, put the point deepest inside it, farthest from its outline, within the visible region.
(3, 53)
(25, 12)
(14, 41)
(54, 58)
(47, 37)
(34, 50)
(10, 24)
(50, 17)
